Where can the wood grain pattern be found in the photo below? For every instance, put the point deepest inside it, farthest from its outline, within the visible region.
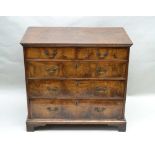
(76, 76)
(76, 109)
(76, 69)
(76, 36)
(77, 53)
(75, 89)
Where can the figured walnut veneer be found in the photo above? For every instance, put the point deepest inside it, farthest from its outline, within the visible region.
(76, 75)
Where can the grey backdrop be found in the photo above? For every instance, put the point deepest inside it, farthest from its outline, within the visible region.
(140, 29)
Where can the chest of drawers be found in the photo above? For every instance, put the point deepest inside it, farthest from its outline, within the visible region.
(76, 75)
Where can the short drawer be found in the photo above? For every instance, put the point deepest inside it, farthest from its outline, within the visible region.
(76, 69)
(75, 89)
(102, 53)
(77, 53)
(76, 109)
(50, 53)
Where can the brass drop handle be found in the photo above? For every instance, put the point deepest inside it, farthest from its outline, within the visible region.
(52, 69)
(53, 90)
(51, 54)
(76, 102)
(99, 109)
(77, 65)
(115, 56)
(77, 83)
(101, 90)
(102, 55)
(52, 108)
(100, 70)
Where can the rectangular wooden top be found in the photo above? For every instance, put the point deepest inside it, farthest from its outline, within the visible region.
(76, 36)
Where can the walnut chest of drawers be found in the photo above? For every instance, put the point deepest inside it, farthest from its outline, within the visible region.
(76, 75)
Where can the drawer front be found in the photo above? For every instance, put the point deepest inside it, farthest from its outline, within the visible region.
(76, 109)
(50, 53)
(102, 53)
(76, 89)
(76, 69)
(77, 53)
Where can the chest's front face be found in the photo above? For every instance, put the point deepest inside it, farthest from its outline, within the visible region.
(72, 74)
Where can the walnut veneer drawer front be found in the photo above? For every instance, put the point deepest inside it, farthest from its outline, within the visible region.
(77, 53)
(76, 109)
(76, 75)
(76, 69)
(75, 89)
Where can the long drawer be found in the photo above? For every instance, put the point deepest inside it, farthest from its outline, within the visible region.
(75, 89)
(76, 109)
(77, 69)
(77, 53)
